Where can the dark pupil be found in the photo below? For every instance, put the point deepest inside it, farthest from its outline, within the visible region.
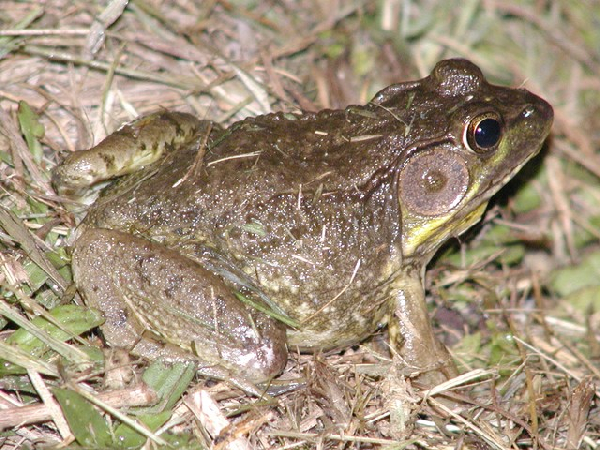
(487, 133)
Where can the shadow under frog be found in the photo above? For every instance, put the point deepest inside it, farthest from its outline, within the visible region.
(328, 219)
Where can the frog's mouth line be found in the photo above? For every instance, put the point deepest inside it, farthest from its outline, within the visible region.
(497, 185)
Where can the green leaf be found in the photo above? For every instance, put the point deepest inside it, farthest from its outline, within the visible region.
(526, 199)
(583, 236)
(498, 240)
(74, 320)
(6, 157)
(255, 228)
(37, 208)
(507, 254)
(87, 424)
(502, 349)
(269, 312)
(568, 280)
(584, 298)
(128, 438)
(169, 382)
(32, 129)
(468, 349)
(14, 361)
(498, 234)
(62, 263)
(37, 277)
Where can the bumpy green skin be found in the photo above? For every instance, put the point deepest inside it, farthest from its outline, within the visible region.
(308, 212)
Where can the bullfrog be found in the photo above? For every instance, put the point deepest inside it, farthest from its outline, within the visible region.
(308, 231)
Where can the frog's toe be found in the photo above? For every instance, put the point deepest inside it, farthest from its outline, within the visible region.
(263, 361)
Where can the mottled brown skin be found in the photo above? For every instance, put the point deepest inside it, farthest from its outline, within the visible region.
(329, 218)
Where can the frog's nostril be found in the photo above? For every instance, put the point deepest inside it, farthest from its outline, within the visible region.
(538, 107)
(528, 111)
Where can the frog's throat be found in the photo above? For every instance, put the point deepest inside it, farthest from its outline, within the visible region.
(427, 238)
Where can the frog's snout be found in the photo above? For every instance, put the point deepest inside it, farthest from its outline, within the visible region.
(539, 111)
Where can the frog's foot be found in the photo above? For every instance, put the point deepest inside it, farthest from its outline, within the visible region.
(428, 369)
(416, 349)
(135, 145)
(220, 370)
(433, 366)
(145, 289)
(422, 357)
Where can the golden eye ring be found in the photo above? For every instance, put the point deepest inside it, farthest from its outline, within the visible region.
(484, 132)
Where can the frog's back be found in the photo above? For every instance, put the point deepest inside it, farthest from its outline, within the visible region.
(252, 162)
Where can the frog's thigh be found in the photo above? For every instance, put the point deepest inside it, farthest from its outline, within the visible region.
(143, 286)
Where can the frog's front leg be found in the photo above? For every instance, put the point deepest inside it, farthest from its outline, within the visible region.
(415, 350)
(147, 290)
(135, 145)
(411, 333)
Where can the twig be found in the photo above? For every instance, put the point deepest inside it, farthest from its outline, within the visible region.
(140, 395)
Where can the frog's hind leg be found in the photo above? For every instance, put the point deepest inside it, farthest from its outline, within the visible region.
(135, 145)
(146, 289)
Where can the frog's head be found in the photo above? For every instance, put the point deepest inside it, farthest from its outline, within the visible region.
(465, 139)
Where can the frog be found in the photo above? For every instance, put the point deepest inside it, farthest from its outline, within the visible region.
(308, 232)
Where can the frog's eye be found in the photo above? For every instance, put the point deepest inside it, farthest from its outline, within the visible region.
(433, 182)
(483, 132)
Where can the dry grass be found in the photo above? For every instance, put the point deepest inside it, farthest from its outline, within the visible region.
(520, 326)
